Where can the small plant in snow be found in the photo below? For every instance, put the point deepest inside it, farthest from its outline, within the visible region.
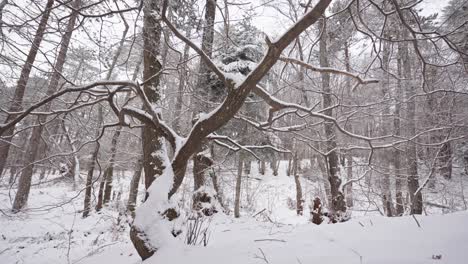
(197, 231)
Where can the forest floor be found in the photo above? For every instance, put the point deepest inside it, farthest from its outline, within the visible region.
(52, 230)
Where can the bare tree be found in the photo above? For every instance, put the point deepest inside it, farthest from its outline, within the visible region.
(16, 104)
(24, 184)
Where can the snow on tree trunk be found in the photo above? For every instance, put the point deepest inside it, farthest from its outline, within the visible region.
(155, 160)
(151, 228)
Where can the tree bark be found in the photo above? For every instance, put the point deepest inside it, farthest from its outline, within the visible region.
(20, 90)
(411, 151)
(297, 181)
(238, 185)
(152, 140)
(385, 154)
(399, 178)
(338, 206)
(201, 161)
(227, 109)
(24, 184)
(180, 90)
(105, 195)
(92, 165)
(133, 193)
(110, 169)
(349, 154)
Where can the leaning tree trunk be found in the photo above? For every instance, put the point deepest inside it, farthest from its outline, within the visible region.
(17, 102)
(24, 184)
(338, 206)
(145, 244)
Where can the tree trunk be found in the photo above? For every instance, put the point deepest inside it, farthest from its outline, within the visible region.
(183, 73)
(299, 199)
(92, 165)
(396, 155)
(75, 168)
(26, 175)
(133, 193)
(349, 176)
(202, 161)
(338, 206)
(152, 140)
(385, 154)
(219, 193)
(348, 155)
(411, 152)
(101, 192)
(3, 3)
(109, 172)
(238, 185)
(326, 184)
(226, 111)
(110, 169)
(262, 165)
(17, 102)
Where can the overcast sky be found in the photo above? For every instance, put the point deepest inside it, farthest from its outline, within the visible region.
(270, 22)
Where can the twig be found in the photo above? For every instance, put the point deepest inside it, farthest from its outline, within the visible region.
(263, 256)
(270, 239)
(263, 210)
(417, 222)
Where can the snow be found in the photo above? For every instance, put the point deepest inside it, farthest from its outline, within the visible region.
(41, 234)
(237, 78)
(366, 240)
(148, 215)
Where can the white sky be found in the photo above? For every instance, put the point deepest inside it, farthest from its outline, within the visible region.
(272, 23)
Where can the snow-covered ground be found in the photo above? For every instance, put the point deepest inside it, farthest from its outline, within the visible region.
(51, 230)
